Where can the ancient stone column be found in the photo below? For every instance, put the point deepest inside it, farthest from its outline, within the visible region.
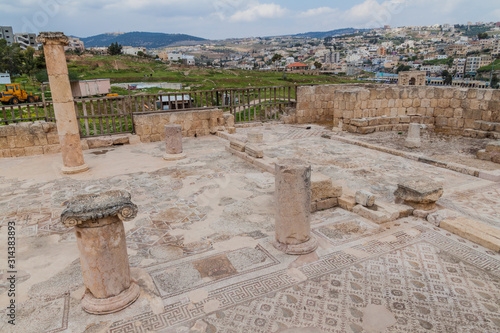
(413, 139)
(173, 143)
(62, 97)
(100, 235)
(293, 207)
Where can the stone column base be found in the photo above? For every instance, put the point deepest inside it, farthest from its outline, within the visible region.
(297, 249)
(174, 157)
(73, 170)
(94, 305)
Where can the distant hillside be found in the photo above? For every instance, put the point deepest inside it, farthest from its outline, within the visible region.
(149, 40)
(324, 34)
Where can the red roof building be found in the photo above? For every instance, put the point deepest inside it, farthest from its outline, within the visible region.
(297, 66)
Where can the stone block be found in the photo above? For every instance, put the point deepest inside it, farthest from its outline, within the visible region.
(229, 120)
(493, 147)
(366, 130)
(474, 231)
(365, 198)
(5, 153)
(484, 155)
(17, 152)
(359, 122)
(231, 130)
(495, 157)
(31, 151)
(327, 204)
(237, 145)
(374, 215)
(52, 138)
(254, 151)
(437, 217)
(120, 140)
(24, 140)
(52, 149)
(99, 142)
(7, 130)
(419, 193)
(4, 143)
(321, 187)
(347, 202)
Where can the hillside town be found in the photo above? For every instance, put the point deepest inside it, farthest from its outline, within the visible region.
(464, 54)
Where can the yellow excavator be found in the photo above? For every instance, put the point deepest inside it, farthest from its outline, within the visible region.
(13, 94)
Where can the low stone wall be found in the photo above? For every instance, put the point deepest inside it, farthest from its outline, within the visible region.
(461, 111)
(151, 127)
(38, 138)
(27, 139)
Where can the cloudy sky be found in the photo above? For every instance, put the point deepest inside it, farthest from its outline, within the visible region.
(219, 19)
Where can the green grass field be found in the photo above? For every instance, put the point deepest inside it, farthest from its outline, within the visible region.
(125, 69)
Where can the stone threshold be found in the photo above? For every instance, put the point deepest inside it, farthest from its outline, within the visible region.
(483, 174)
(266, 164)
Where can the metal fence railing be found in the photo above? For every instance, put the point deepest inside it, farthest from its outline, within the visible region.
(113, 115)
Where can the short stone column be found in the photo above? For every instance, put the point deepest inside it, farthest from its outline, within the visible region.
(100, 235)
(413, 139)
(173, 143)
(293, 207)
(64, 108)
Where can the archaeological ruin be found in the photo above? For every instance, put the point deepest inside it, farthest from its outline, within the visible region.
(319, 208)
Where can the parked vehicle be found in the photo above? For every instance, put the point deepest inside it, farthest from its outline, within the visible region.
(13, 94)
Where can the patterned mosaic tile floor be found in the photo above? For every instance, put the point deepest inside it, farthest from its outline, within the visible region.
(201, 249)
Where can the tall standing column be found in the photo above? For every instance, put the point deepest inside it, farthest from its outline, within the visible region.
(62, 97)
(293, 207)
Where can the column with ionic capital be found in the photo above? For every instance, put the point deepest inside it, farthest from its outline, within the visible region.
(62, 97)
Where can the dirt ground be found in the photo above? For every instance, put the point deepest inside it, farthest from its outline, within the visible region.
(446, 148)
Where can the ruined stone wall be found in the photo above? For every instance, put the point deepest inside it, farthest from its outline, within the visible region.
(38, 138)
(460, 111)
(26, 139)
(151, 127)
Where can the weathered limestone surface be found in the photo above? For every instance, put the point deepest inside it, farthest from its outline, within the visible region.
(255, 137)
(366, 108)
(324, 193)
(491, 153)
(64, 109)
(100, 235)
(173, 139)
(293, 207)
(365, 198)
(237, 145)
(254, 151)
(421, 193)
(413, 139)
(474, 231)
(151, 127)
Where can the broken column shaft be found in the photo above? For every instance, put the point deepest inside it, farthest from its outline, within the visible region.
(62, 97)
(173, 143)
(98, 222)
(293, 207)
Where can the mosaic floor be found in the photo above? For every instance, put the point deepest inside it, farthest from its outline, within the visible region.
(201, 251)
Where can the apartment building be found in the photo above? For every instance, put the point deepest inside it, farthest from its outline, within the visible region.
(74, 44)
(26, 40)
(459, 67)
(476, 62)
(7, 34)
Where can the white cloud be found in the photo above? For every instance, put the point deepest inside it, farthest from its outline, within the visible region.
(258, 11)
(319, 11)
